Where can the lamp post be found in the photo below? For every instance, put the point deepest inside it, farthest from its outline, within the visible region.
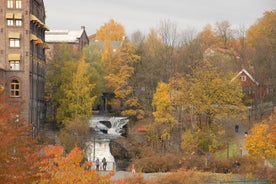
(94, 148)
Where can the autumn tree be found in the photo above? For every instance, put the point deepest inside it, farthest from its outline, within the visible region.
(18, 149)
(77, 101)
(74, 133)
(111, 31)
(92, 55)
(224, 33)
(160, 130)
(190, 143)
(56, 75)
(188, 54)
(212, 93)
(70, 168)
(208, 37)
(118, 64)
(118, 80)
(204, 95)
(147, 75)
(262, 40)
(164, 109)
(260, 143)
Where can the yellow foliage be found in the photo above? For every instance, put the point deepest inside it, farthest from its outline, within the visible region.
(111, 31)
(162, 103)
(259, 143)
(263, 30)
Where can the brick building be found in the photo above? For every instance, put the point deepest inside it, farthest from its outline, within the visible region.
(22, 56)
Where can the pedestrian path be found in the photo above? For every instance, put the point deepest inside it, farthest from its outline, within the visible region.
(126, 174)
(240, 135)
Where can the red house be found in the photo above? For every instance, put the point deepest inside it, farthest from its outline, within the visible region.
(250, 86)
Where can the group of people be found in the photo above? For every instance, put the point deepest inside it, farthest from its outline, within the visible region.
(104, 163)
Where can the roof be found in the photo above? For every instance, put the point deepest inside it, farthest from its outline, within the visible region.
(247, 73)
(63, 36)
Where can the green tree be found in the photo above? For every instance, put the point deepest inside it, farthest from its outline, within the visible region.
(63, 56)
(92, 55)
(77, 101)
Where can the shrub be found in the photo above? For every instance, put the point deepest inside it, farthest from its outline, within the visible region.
(158, 163)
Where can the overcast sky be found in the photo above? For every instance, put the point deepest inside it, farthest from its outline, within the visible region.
(145, 14)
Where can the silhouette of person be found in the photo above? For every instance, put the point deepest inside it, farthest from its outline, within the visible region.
(97, 164)
(104, 164)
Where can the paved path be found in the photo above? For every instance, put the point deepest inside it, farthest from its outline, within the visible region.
(240, 137)
(125, 174)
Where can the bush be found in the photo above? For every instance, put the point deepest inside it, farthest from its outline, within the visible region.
(181, 177)
(248, 167)
(158, 163)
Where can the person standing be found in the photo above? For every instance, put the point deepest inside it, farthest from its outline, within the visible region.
(236, 128)
(97, 164)
(104, 164)
(133, 169)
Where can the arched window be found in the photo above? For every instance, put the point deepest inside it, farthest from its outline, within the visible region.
(15, 88)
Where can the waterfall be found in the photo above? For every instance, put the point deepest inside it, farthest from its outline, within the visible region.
(106, 128)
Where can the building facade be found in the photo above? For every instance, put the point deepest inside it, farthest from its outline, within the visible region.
(76, 39)
(22, 57)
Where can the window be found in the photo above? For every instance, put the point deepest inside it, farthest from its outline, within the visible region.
(10, 22)
(14, 42)
(14, 61)
(10, 3)
(9, 18)
(18, 22)
(14, 91)
(18, 4)
(243, 78)
(14, 65)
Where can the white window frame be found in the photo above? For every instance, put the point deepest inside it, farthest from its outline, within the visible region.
(10, 22)
(243, 78)
(18, 4)
(9, 3)
(18, 22)
(14, 42)
(14, 64)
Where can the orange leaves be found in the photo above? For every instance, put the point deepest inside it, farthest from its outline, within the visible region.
(22, 162)
(17, 147)
(260, 142)
(71, 168)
